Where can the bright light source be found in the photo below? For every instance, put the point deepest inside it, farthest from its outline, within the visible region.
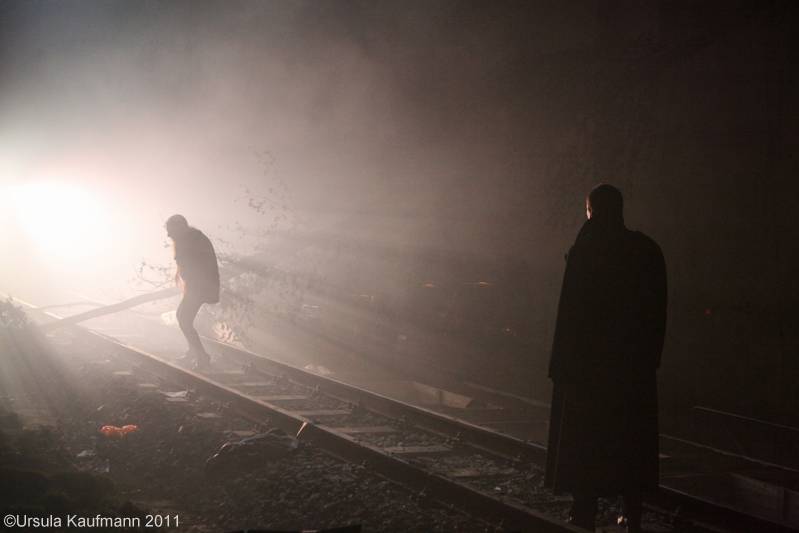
(62, 220)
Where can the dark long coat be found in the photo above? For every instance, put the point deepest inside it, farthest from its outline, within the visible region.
(603, 435)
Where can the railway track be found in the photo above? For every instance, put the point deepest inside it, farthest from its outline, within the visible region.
(458, 464)
(461, 464)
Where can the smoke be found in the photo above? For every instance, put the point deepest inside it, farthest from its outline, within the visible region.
(374, 148)
(381, 120)
(350, 153)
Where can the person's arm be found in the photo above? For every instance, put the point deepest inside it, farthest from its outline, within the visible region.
(660, 289)
(193, 256)
(179, 258)
(654, 295)
(565, 348)
(178, 278)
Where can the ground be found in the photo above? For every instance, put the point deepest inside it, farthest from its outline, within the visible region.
(58, 392)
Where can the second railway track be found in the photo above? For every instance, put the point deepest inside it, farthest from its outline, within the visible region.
(458, 464)
(484, 472)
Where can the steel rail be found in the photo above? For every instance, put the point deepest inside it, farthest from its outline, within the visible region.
(495, 443)
(504, 514)
(461, 431)
(509, 514)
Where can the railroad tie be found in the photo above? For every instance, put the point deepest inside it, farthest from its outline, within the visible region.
(355, 430)
(417, 450)
(322, 412)
(225, 376)
(253, 384)
(280, 397)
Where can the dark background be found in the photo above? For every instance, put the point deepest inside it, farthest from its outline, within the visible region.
(425, 147)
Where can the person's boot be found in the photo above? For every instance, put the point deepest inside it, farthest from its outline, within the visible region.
(628, 525)
(583, 513)
(582, 522)
(633, 510)
(202, 362)
(187, 358)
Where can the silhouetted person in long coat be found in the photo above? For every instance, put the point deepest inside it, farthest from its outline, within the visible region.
(198, 274)
(603, 437)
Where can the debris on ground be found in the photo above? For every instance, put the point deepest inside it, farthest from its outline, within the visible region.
(12, 317)
(268, 481)
(117, 432)
(250, 453)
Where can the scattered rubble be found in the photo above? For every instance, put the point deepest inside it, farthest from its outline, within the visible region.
(194, 459)
(250, 453)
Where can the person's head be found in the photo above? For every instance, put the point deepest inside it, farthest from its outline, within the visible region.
(176, 225)
(605, 204)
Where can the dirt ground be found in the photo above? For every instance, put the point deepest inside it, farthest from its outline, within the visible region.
(58, 392)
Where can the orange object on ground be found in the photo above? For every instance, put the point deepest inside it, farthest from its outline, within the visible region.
(118, 432)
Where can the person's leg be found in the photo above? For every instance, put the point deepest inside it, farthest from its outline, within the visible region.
(584, 510)
(633, 508)
(186, 313)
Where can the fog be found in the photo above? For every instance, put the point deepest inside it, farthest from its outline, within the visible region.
(382, 146)
(365, 112)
